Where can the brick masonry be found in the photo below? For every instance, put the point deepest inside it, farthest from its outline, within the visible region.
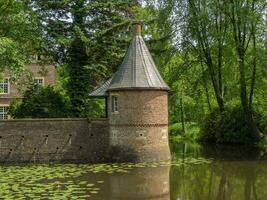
(140, 127)
(53, 140)
(137, 132)
(47, 72)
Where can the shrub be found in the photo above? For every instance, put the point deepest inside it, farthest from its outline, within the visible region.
(227, 127)
(175, 129)
(262, 121)
(40, 102)
(192, 131)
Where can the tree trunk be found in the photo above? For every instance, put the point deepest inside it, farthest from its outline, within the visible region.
(248, 112)
(215, 84)
(242, 80)
(207, 96)
(254, 62)
(182, 114)
(206, 89)
(202, 38)
(221, 32)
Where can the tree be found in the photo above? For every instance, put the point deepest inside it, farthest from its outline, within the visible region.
(243, 19)
(19, 35)
(40, 102)
(207, 27)
(87, 37)
(223, 61)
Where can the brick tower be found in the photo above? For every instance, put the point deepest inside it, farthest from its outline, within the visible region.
(137, 107)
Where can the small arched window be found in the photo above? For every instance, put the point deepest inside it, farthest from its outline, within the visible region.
(115, 104)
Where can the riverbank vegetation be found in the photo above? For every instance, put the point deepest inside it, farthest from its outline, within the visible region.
(211, 53)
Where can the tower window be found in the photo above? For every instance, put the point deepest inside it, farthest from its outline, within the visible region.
(4, 86)
(3, 112)
(115, 104)
(38, 81)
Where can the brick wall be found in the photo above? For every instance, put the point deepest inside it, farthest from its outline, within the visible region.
(47, 72)
(53, 140)
(138, 132)
(140, 107)
(140, 127)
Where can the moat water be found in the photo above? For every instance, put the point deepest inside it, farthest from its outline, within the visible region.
(195, 173)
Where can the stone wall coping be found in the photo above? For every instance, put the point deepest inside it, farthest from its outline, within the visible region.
(98, 119)
(53, 119)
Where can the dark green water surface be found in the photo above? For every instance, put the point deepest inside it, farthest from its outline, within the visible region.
(196, 173)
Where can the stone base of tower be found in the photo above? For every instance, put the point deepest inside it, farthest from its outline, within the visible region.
(133, 143)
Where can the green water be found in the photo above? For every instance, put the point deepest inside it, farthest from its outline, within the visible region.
(196, 173)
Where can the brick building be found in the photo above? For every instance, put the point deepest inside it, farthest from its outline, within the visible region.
(137, 106)
(42, 75)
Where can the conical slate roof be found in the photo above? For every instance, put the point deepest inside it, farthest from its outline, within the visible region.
(137, 71)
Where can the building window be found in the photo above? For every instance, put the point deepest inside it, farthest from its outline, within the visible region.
(115, 104)
(3, 112)
(38, 81)
(4, 86)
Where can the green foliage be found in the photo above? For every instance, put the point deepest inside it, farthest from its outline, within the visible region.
(175, 129)
(205, 69)
(40, 102)
(191, 131)
(96, 108)
(19, 35)
(262, 121)
(89, 39)
(227, 127)
(192, 42)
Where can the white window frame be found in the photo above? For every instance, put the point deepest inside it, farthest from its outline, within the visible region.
(2, 83)
(114, 103)
(2, 114)
(39, 78)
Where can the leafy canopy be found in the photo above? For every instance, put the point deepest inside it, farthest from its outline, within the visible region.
(40, 102)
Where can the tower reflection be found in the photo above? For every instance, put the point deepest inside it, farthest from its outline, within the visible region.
(141, 183)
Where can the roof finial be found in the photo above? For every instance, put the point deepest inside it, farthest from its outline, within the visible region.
(137, 28)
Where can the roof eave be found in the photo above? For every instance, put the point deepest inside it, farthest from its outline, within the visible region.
(98, 96)
(139, 89)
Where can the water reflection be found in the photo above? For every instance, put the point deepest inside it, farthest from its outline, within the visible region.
(236, 173)
(138, 184)
(149, 183)
(196, 173)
